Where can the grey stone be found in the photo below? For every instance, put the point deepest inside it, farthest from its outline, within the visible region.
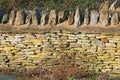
(16, 40)
(87, 17)
(98, 43)
(74, 45)
(94, 17)
(105, 6)
(12, 17)
(62, 16)
(5, 18)
(52, 18)
(29, 19)
(114, 5)
(115, 19)
(77, 17)
(30, 52)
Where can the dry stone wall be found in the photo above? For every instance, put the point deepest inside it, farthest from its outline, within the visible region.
(26, 51)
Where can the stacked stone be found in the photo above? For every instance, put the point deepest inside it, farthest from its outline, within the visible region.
(26, 51)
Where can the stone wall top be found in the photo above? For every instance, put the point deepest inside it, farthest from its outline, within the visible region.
(107, 19)
(38, 29)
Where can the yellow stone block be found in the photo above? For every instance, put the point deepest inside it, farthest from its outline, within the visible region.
(30, 67)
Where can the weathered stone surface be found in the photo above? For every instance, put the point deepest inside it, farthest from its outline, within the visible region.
(64, 37)
(5, 18)
(87, 17)
(52, 18)
(112, 6)
(105, 6)
(104, 40)
(118, 45)
(12, 17)
(35, 16)
(71, 18)
(29, 18)
(98, 43)
(104, 19)
(19, 20)
(115, 6)
(44, 18)
(115, 18)
(77, 17)
(110, 45)
(61, 16)
(94, 17)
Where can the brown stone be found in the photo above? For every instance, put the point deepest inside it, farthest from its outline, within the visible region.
(104, 19)
(71, 18)
(105, 40)
(63, 37)
(105, 6)
(94, 17)
(112, 6)
(61, 16)
(19, 20)
(118, 45)
(115, 6)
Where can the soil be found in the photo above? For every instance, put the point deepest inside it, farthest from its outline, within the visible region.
(63, 26)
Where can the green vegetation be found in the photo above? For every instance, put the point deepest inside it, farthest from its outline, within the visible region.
(7, 5)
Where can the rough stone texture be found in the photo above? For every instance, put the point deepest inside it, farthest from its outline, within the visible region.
(77, 17)
(98, 43)
(43, 18)
(5, 18)
(87, 17)
(105, 6)
(61, 16)
(26, 51)
(115, 6)
(12, 17)
(105, 40)
(118, 45)
(71, 18)
(29, 18)
(94, 17)
(115, 18)
(104, 19)
(52, 18)
(19, 20)
(35, 17)
(112, 6)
